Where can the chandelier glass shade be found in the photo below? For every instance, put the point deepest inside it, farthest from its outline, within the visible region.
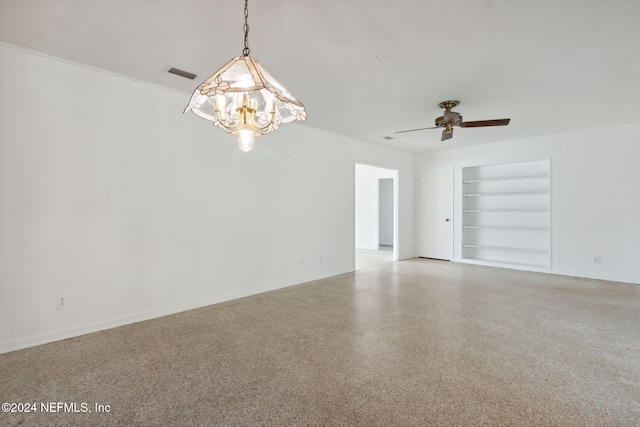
(244, 99)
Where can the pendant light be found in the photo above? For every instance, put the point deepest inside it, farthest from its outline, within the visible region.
(244, 99)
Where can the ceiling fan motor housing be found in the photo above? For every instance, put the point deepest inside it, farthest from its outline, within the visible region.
(441, 122)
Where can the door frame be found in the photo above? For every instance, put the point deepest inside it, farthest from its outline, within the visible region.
(417, 208)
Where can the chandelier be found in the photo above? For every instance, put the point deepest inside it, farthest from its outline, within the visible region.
(244, 99)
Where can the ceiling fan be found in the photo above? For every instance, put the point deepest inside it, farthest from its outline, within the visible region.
(451, 119)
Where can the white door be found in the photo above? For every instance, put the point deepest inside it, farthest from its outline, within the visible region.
(434, 213)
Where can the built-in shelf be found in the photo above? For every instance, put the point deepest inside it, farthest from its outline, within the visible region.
(506, 213)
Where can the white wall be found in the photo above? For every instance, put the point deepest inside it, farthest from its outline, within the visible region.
(112, 197)
(595, 202)
(367, 215)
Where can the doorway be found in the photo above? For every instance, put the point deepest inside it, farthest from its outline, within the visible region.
(375, 216)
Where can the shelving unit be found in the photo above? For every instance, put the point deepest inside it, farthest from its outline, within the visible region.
(506, 213)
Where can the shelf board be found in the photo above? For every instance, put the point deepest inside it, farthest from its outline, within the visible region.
(524, 264)
(502, 248)
(505, 227)
(503, 210)
(510, 178)
(523, 193)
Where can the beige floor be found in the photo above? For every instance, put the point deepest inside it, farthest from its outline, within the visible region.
(405, 343)
(367, 259)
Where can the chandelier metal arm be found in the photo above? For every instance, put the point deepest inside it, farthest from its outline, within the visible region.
(246, 116)
(263, 130)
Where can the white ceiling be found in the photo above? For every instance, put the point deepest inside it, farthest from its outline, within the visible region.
(368, 68)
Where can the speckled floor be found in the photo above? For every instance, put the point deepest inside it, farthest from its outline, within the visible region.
(367, 258)
(415, 342)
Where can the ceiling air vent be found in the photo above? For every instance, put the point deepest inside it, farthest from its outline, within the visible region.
(181, 73)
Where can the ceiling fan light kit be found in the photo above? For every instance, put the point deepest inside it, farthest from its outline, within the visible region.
(244, 99)
(450, 119)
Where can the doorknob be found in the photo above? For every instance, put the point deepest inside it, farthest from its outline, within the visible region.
(447, 219)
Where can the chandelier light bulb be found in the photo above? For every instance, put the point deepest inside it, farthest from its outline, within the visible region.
(245, 140)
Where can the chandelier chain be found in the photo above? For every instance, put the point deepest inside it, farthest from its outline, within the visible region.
(245, 51)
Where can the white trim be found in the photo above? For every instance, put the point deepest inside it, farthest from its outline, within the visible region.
(560, 272)
(396, 187)
(56, 60)
(550, 213)
(32, 341)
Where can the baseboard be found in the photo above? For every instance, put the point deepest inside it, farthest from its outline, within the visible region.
(604, 277)
(33, 341)
(100, 326)
(560, 272)
(496, 264)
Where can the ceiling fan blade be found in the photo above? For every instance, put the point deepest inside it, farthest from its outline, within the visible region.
(446, 135)
(482, 123)
(451, 116)
(413, 130)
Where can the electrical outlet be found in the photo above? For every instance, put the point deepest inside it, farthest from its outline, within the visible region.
(62, 302)
(596, 259)
(320, 260)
